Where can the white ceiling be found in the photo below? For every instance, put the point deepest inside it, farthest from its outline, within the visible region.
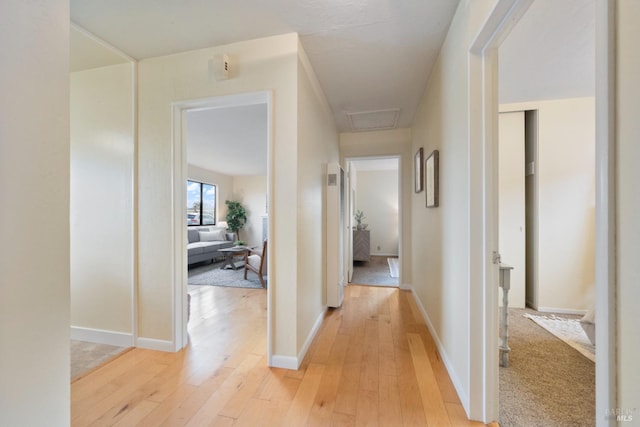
(230, 140)
(550, 54)
(369, 55)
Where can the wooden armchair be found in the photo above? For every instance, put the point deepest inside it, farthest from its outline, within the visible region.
(256, 261)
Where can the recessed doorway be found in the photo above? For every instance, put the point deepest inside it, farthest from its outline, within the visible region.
(224, 142)
(374, 206)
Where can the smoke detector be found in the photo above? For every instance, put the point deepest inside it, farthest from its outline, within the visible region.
(219, 67)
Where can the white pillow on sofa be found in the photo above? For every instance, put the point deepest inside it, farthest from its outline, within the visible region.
(212, 236)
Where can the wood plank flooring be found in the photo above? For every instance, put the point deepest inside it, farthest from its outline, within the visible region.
(373, 363)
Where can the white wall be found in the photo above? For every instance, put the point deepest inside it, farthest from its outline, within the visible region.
(300, 148)
(102, 150)
(263, 64)
(389, 143)
(377, 198)
(34, 213)
(566, 202)
(628, 206)
(442, 242)
(317, 146)
(251, 191)
(224, 186)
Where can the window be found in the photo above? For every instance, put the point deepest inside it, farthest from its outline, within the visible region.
(201, 203)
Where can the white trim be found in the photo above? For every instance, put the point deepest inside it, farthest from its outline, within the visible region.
(178, 238)
(605, 257)
(311, 336)
(385, 254)
(134, 205)
(284, 362)
(483, 106)
(406, 287)
(158, 345)
(464, 398)
(102, 43)
(178, 196)
(271, 236)
(293, 363)
(100, 336)
(562, 310)
(483, 235)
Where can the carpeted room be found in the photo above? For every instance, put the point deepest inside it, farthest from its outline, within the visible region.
(548, 381)
(378, 271)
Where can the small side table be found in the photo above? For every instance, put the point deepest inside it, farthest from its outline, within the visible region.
(230, 253)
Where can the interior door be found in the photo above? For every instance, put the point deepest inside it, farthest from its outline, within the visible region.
(511, 194)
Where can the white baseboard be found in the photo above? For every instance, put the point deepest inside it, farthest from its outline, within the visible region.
(311, 335)
(464, 398)
(100, 336)
(290, 362)
(284, 362)
(406, 287)
(384, 254)
(562, 310)
(159, 345)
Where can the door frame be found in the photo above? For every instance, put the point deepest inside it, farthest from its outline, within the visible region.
(179, 202)
(398, 157)
(483, 119)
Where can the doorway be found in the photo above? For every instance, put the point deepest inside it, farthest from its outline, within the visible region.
(563, 226)
(374, 240)
(483, 64)
(234, 178)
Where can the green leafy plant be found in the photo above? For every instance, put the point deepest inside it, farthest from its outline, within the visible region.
(359, 216)
(236, 217)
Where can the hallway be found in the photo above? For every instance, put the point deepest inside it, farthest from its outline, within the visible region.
(373, 362)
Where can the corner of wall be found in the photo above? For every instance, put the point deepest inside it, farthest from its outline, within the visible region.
(293, 363)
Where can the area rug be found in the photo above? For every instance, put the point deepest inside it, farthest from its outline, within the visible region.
(568, 330)
(394, 267)
(213, 275)
(88, 356)
(374, 272)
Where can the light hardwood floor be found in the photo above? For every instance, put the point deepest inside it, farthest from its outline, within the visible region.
(373, 363)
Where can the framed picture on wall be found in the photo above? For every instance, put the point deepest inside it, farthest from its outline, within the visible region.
(432, 181)
(418, 170)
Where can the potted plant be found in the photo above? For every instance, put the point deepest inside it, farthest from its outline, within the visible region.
(236, 218)
(359, 216)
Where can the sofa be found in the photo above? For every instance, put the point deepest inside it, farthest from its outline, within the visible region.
(204, 242)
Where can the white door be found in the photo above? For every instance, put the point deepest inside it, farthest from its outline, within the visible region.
(335, 235)
(511, 196)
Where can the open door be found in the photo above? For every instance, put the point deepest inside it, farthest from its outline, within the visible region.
(336, 271)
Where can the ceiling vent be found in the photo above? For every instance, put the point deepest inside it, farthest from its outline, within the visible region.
(374, 120)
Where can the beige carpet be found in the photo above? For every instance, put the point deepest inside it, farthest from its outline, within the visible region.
(568, 330)
(87, 356)
(547, 383)
(374, 272)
